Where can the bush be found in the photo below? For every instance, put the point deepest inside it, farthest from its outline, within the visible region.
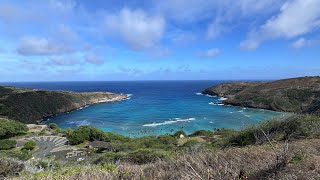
(15, 153)
(295, 126)
(10, 167)
(202, 133)
(30, 145)
(178, 133)
(111, 157)
(9, 128)
(86, 133)
(6, 144)
(143, 156)
(53, 126)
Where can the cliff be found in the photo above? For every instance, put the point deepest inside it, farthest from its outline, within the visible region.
(300, 95)
(30, 106)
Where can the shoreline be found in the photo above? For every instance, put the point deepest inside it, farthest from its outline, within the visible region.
(99, 101)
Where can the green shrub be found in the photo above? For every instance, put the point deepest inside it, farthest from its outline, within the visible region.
(294, 126)
(30, 145)
(143, 156)
(178, 133)
(297, 158)
(202, 133)
(6, 144)
(53, 126)
(86, 133)
(15, 153)
(111, 157)
(9, 128)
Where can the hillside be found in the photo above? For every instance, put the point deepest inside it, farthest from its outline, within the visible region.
(30, 106)
(300, 95)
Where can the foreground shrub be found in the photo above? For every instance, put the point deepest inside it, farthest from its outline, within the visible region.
(86, 133)
(202, 133)
(30, 145)
(9, 167)
(143, 156)
(6, 144)
(291, 127)
(178, 133)
(15, 153)
(9, 128)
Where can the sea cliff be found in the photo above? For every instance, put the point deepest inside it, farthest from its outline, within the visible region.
(300, 95)
(31, 105)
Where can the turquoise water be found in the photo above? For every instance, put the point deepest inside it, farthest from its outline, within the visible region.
(154, 107)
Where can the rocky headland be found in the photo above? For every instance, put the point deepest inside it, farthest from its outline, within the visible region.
(299, 95)
(31, 105)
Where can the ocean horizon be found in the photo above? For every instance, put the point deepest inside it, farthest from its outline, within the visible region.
(153, 108)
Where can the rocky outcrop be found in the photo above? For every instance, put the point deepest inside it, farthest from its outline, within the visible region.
(300, 95)
(30, 106)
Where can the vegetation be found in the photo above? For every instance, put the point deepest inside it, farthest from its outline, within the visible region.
(6, 144)
(299, 95)
(30, 145)
(10, 128)
(29, 106)
(258, 152)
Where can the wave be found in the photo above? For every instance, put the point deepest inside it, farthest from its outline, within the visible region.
(222, 98)
(80, 123)
(199, 94)
(171, 121)
(216, 104)
(211, 95)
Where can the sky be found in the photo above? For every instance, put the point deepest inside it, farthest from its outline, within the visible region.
(109, 40)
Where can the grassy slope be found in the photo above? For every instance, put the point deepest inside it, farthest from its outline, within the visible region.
(223, 155)
(290, 95)
(27, 105)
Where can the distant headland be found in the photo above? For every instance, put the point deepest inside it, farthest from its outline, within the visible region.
(32, 105)
(299, 95)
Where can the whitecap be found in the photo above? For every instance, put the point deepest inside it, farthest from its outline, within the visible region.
(211, 95)
(199, 94)
(222, 98)
(215, 104)
(80, 123)
(240, 111)
(175, 120)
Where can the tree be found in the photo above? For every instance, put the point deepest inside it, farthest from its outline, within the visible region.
(6, 144)
(9, 128)
(30, 145)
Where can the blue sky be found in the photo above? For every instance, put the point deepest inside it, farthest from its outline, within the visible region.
(70, 40)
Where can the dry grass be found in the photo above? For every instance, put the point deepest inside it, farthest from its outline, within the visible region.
(252, 162)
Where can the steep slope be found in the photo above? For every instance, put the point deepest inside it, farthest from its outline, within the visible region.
(30, 106)
(300, 95)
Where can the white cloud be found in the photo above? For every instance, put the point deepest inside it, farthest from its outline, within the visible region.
(299, 43)
(296, 17)
(136, 28)
(210, 53)
(93, 59)
(63, 61)
(230, 13)
(185, 11)
(32, 45)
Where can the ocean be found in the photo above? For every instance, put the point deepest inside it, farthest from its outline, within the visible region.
(154, 108)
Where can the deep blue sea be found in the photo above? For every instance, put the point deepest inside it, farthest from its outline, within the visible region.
(154, 107)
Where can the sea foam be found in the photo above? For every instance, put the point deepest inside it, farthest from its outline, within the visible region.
(171, 121)
(222, 98)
